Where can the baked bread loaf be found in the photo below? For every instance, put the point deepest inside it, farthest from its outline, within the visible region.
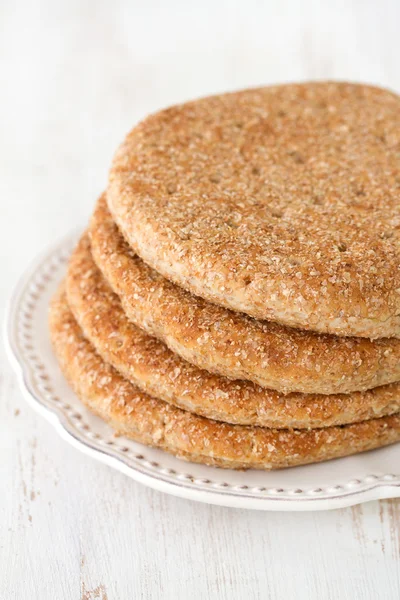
(279, 202)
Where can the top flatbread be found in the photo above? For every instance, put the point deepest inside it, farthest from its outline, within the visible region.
(280, 202)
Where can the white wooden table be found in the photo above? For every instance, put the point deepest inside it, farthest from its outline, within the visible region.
(74, 76)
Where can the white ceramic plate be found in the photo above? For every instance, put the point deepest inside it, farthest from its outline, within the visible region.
(334, 484)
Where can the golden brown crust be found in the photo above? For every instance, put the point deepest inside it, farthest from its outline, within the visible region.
(148, 363)
(156, 423)
(280, 202)
(230, 343)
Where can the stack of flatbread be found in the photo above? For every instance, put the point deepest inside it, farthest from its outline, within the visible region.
(235, 299)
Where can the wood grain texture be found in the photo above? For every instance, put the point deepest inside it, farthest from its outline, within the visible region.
(74, 79)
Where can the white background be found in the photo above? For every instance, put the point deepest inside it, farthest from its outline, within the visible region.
(74, 77)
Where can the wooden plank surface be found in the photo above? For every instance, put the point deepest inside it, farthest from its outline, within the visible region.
(74, 77)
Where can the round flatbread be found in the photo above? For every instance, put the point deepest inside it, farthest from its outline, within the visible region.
(280, 202)
(230, 343)
(156, 423)
(150, 365)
